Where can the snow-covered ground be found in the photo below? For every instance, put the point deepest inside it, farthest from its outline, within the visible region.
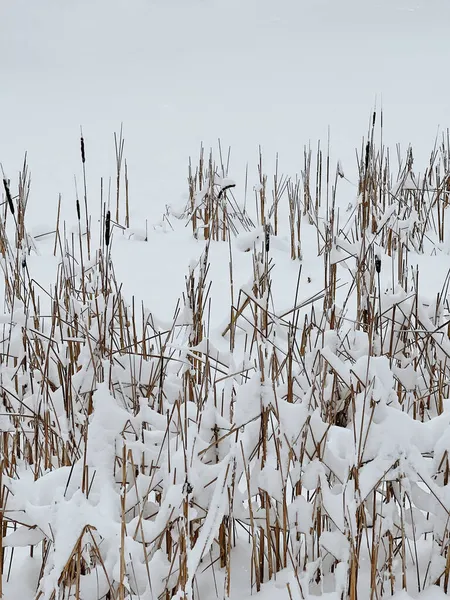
(279, 74)
(181, 72)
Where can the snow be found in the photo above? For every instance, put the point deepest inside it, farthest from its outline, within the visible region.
(179, 73)
(148, 470)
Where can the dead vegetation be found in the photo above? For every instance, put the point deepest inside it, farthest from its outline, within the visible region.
(282, 445)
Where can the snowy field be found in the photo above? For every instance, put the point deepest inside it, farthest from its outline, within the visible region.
(178, 73)
(240, 386)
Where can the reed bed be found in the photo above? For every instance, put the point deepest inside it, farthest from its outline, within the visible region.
(137, 460)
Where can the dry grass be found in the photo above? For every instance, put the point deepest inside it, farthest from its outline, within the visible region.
(216, 449)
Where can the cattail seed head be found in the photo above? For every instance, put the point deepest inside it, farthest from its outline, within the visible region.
(226, 187)
(83, 155)
(8, 195)
(108, 228)
(378, 264)
(267, 237)
(367, 154)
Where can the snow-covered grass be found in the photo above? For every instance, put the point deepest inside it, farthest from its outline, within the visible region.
(272, 418)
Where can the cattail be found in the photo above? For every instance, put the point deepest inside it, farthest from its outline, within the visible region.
(226, 187)
(108, 227)
(8, 195)
(367, 154)
(267, 237)
(83, 155)
(78, 209)
(378, 264)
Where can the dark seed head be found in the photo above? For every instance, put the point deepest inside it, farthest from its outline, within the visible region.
(108, 228)
(367, 154)
(83, 155)
(378, 264)
(8, 195)
(267, 237)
